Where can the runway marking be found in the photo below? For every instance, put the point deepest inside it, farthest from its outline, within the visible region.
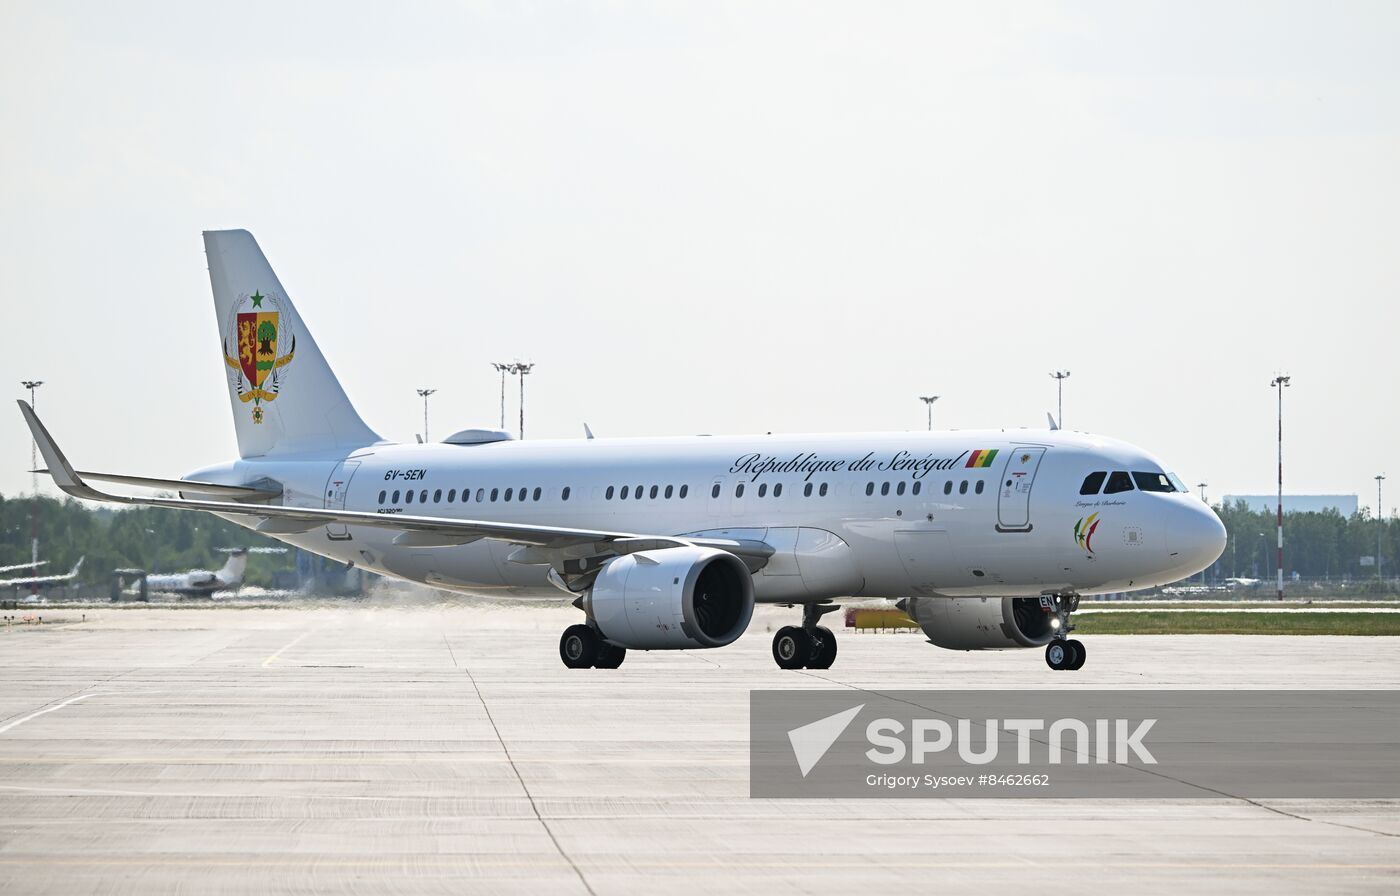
(17, 722)
(285, 647)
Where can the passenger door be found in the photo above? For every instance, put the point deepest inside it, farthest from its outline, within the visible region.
(337, 487)
(1014, 496)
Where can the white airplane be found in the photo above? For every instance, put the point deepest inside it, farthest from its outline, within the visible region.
(202, 582)
(37, 582)
(990, 537)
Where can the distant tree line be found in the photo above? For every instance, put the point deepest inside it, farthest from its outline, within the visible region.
(1316, 545)
(155, 539)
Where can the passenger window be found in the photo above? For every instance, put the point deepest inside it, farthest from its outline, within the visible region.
(980, 483)
(451, 495)
(869, 489)
(884, 488)
(685, 490)
(1093, 482)
(437, 496)
(1118, 481)
(396, 497)
(536, 495)
(822, 490)
(653, 493)
(948, 487)
(626, 490)
(509, 492)
(918, 486)
(564, 496)
(1153, 482)
(739, 490)
(408, 497)
(899, 489)
(638, 493)
(714, 491)
(806, 490)
(777, 489)
(763, 490)
(668, 492)
(466, 495)
(962, 487)
(495, 492)
(608, 495)
(381, 497)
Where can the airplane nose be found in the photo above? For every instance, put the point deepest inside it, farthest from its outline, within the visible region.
(1198, 538)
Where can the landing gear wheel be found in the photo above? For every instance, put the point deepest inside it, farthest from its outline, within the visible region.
(792, 647)
(1059, 655)
(609, 656)
(1078, 655)
(578, 647)
(823, 648)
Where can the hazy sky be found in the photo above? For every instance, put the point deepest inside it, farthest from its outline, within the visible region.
(720, 217)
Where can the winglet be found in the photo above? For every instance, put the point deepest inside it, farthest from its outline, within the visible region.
(77, 566)
(1053, 424)
(587, 432)
(64, 476)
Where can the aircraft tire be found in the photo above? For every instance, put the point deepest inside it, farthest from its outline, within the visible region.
(1079, 655)
(792, 647)
(609, 656)
(823, 649)
(578, 647)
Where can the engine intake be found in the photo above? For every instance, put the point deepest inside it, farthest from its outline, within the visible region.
(981, 623)
(671, 599)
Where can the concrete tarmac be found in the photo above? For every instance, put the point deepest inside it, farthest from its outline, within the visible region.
(444, 749)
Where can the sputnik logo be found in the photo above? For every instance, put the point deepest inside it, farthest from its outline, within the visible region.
(812, 741)
(1084, 532)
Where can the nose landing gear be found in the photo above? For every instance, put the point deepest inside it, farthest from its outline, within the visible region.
(1063, 652)
(809, 646)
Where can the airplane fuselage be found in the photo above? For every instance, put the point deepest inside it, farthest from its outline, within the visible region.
(976, 513)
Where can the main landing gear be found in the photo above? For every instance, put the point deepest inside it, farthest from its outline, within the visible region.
(1063, 652)
(581, 648)
(809, 646)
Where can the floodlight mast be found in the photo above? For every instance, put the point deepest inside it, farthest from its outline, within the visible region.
(1280, 382)
(929, 400)
(1060, 377)
(424, 393)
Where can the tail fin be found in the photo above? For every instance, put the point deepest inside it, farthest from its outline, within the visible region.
(285, 397)
(237, 565)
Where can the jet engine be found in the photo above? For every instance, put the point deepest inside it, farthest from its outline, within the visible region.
(671, 599)
(981, 623)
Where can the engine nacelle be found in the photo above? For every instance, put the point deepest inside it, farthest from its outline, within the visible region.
(671, 599)
(981, 623)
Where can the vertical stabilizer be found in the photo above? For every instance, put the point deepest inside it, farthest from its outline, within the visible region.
(232, 574)
(285, 397)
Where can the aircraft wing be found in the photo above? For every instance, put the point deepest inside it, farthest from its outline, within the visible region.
(23, 566)
(543, 544)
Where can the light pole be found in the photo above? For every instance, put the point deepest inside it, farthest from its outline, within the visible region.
(522, 368)
(423, 394)
(1380, 526)
(504, 369)
(1280, 382)
(929, 400)
(1060, 377)
(33, 387)
(1202, 487)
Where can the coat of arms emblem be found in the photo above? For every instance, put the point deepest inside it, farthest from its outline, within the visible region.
(257, 330)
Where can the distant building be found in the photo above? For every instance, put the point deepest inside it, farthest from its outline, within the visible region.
(1346, 505)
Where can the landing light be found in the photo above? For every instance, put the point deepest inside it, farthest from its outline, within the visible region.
(1055, 623)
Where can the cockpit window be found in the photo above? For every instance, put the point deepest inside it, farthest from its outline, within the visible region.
(1092, 483)
(1176, 481)
(1153, 482)
(1118, 481)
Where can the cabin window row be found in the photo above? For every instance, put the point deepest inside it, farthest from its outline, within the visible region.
(482, 495)
(656, 491)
